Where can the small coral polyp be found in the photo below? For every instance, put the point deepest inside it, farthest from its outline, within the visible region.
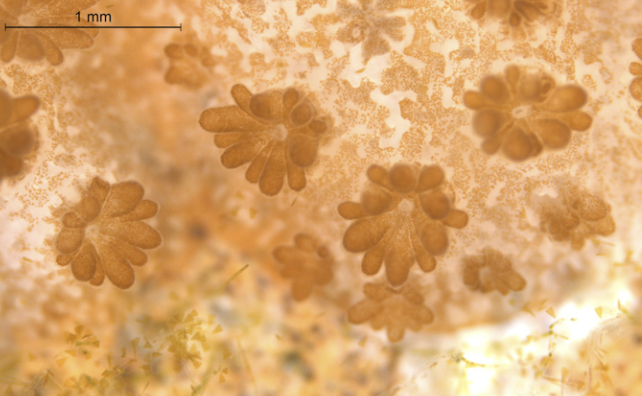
(580, 215)
(368, 25)
(277, 131)
(402, 218)
(636, 70)
(37, 44)
(190, 64)
(104, 233)
(308, 263)
(18, 137)
(491, 270)
(515, 12)
(523, 113)
(396, 310)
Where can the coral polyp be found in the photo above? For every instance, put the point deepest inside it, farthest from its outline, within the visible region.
(277, 132)
(307, 263)
(396, 310)
(48, 43)
(523, 112)
(491, 270)
(104, 235)
(401, 219)
(577, 216)
(18, 137)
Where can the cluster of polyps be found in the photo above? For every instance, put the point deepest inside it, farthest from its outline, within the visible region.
(579, 216)
(38, 44)
(401, 219)
(104, 233)
(523, 113)
(276, 131)
(17, 135)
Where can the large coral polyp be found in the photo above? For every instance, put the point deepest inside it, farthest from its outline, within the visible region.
(18, 138)
(36, 44)
(523, 113)
(396, 310)
(580, 215)
(278, 132)
(104, 233)
(491, 270)
(402, 218)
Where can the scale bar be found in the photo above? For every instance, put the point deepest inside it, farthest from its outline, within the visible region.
(180, 27)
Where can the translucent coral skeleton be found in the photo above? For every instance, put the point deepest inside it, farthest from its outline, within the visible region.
(636, 70)
(523, 113)
(491, 270)
(515, 12)
(36, 44)
(104, 234)
(580, 215)
(368, 25)
(18, 138)
(277, 131)
(308, 263)
(402, 218)
(397, 310)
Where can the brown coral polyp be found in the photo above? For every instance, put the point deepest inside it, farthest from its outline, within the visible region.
(277, 132)
(18, 137)
(308, 263)
(581, 215)
(189, 64)
(38, 44)
(396, 310)
(369, 25)
(401, 218)
(491, 270)
(104, 234)
(514, 12)
(523, 113)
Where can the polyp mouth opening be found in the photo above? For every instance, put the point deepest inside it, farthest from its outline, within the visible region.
(521, 111)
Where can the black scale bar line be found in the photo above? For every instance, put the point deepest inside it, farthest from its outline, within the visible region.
(94, 27)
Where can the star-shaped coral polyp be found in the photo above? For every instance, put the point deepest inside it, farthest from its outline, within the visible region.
(402, 218)
(18, 137)
(491, 270)
(369, 23)
(277, 132)
(307, 263)
(104, 234)
(522, 113)
(396, 310)
(47, 43)
(636, 70)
